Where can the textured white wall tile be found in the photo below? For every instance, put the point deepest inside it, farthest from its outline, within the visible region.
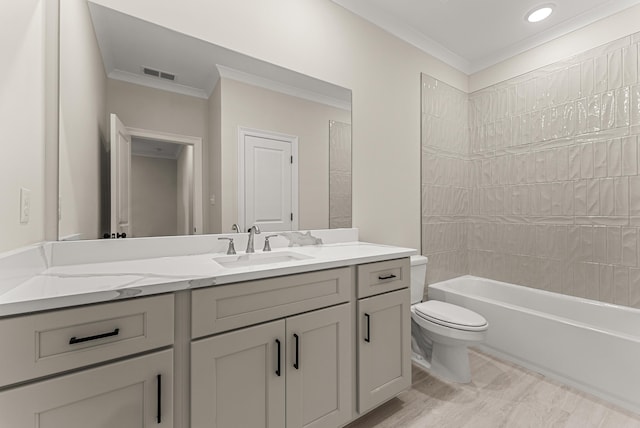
(574, 239)
(614, 245)
(585, 248)
(634, 288)
(600, 149)
(587, 78)
(608, 110)
(545, 198)
(600, 73)
(593, 197)
(614, 159)
(529, 159)
(536, 126)
(561, 157)
(586, 160)
(592, 280)
(621, 188)
(540, 160)
(580, 197)
(629, 156)
(567, 200)
(575, 160)
(581, 115)
(606, 283)
(607, 201)
(634, 195)
(621, 285)
(634, 105)
(574, 80)
(557, 196)
(615, 69)
(622, 113)
(593, 113)
(629, 246)
(630, 65)
(600, 244)
(568, 121)
(551, 173)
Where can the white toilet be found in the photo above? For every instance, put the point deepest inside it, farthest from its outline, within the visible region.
(441, 332)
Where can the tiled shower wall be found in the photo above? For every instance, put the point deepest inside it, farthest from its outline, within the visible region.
(339, 175)
(445, 179)
(553, 185)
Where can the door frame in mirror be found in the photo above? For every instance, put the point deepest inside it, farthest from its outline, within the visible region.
(196, 143)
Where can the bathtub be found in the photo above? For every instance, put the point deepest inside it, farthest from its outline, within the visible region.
(590, 345)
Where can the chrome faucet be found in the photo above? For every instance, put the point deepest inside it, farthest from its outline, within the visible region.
(254, 229)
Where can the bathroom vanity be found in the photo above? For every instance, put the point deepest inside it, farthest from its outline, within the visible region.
(307, 336)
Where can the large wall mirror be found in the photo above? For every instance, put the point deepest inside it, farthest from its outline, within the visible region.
(164, 134)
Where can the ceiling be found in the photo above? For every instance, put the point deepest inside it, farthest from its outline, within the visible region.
(128, 45)
(471, 35)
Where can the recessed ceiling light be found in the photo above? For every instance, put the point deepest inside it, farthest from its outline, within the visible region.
(539, 13)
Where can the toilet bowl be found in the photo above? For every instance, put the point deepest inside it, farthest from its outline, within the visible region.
(440, 331)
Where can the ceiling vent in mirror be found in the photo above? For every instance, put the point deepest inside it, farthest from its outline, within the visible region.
(157, 73)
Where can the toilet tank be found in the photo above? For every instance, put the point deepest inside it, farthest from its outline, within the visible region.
(418, 277)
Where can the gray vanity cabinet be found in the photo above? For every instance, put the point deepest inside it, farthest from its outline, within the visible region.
(135, 393)
(294, 372)
(384, 333)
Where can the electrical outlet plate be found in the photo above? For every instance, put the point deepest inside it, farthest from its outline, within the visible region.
(25, 205)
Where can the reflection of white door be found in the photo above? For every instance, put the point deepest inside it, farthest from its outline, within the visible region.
(120, 177)
(268, 181)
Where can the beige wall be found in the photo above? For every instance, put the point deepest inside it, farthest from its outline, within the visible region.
(22, 121)
(185, 191)
(215, 162)
(83, 123)
(156, 110)
(262, 109)
(154, 196)
(323, 40)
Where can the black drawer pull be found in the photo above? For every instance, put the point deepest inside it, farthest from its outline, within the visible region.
(390, 276)
(296, 365)
(75, 340)
(368, 337)
(278, 369)
(159, 398)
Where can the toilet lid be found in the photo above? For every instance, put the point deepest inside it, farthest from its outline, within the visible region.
(450, 315)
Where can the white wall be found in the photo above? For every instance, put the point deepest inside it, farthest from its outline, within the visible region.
(83, 127)
(22, 120)
(185, 191)
(214, 220)
(258, 108)
(323, 40)
(154, 196)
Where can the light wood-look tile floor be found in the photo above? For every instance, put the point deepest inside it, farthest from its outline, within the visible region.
(501, 394)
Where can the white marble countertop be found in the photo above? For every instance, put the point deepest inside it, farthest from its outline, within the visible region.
(75, 284)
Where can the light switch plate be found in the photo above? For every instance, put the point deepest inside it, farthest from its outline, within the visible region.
(25, 205)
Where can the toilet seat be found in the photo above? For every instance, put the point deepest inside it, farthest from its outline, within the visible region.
(451, 316)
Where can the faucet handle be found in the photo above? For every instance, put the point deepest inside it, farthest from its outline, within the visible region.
(232, 249)
(267, 246)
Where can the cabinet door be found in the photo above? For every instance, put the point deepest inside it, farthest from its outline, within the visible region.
(384, 345)
(235, 381)
(128, 394)
(319, 381)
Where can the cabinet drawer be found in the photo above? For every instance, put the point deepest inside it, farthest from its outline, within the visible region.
(227, 307)
(47, 343)
(381, 277)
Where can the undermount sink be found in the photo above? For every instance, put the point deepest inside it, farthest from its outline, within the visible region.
(255, 259)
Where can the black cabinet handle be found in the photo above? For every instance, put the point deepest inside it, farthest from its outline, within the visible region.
(75, 340)
(278, 369)
(383, 277)
(159, 414)
(296, 364)
(368, 337)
